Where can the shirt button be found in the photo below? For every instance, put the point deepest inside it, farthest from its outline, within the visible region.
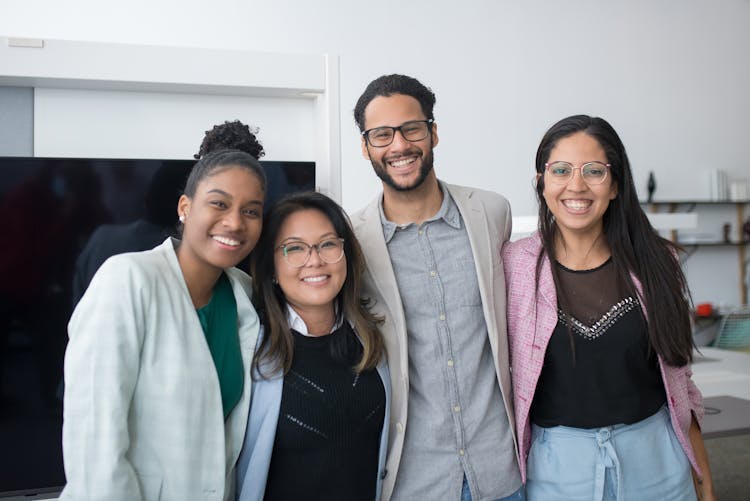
(421, 232)
(399, 427)
(442, 316)
(450, 363)
(460, 452)
(432, 273)
(457, 408)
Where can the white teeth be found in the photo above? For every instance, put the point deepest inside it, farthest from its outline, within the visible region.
(405, 161)
(226, 241)
(577, 204)
(314, 279)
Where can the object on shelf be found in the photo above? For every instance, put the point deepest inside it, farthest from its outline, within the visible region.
(706, 321)
(738, 190)
(651, 186)
(734, 331)
(718, 185)
(704, 309)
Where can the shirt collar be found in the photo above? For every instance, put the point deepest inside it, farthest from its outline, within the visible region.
(448, 212)
(296, 323)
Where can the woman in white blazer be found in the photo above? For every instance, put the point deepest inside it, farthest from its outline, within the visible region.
(318, 422)
(158, 361)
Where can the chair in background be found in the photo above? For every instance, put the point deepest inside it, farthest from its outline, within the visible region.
(734, 331)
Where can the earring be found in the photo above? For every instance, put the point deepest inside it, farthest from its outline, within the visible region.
(182, 218)
(274, 281)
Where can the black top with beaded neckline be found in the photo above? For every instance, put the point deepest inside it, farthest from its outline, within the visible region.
(598, 369)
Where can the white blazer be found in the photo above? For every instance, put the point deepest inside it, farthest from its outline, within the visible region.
(143, 417)
(488, 223)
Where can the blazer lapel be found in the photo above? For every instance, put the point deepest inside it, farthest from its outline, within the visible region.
(546, 286)
(369, 232)
(546, 300)
(474, 217)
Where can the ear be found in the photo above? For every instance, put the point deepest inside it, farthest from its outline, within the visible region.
(365, 151)
(435, 138)
(183, 206)
(613, 191)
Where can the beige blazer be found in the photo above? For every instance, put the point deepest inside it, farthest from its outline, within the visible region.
(143, 418)
(488, 222)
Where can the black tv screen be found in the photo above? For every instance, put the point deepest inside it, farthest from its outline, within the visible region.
(62, 218)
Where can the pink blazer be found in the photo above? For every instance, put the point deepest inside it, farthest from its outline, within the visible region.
(531, 320)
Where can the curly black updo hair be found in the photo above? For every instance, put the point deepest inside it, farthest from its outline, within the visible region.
(231, 136)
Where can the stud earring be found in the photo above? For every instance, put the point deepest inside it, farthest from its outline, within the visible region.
(182, 218)
(274, 281)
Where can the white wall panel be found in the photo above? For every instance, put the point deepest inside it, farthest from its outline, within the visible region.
(163, 125)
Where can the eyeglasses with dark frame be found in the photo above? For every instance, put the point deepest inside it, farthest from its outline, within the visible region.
(412, 131)
(593, 173)
(297, 253)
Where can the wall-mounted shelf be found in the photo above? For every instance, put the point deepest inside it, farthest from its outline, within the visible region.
(712, 244)
(695, 202)
(739, 241)
(111, 66)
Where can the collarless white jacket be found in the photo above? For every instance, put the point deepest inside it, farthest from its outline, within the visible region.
(143, 417)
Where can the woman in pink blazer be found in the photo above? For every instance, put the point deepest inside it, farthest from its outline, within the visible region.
(599, 330)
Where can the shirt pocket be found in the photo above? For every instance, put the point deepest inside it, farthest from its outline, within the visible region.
(460, 283)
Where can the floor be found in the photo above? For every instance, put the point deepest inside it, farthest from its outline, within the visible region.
(730, 467)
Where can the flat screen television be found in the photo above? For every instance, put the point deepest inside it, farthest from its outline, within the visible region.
(62, 217)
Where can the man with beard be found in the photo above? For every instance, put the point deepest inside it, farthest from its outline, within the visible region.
(435, 275)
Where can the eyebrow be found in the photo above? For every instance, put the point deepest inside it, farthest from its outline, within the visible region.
(300, 239)
(399, 125)
(219, 191)
(224, 193)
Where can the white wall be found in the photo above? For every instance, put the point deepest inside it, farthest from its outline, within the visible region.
(672, 76)
(84, 123)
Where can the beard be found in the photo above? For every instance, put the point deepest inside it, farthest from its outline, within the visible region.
(381, 170)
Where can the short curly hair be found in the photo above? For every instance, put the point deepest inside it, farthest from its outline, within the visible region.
(387, 85)
(231, 136)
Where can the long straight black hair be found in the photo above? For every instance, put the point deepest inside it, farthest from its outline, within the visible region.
(634, 244)
(277, 346)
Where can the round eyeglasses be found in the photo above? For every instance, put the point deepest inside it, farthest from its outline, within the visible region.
(297, 253)
(593, 173)
(412, 131)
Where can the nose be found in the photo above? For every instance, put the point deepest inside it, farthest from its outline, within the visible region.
(314, 259)
(399, 141)
(576, 181)
(233, 220)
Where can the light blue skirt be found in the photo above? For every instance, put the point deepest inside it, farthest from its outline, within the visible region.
(637, 462)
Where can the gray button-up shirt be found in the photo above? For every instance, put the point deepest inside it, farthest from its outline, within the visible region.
(457, 422)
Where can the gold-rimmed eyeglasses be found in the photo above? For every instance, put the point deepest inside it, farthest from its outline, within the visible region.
(297, 253)
(593, 173)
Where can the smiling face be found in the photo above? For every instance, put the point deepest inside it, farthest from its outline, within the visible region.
(577, 207)
(312, 288)
(222, 221)
(403, 165)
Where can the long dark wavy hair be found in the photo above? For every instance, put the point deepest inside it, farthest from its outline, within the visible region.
(277, 346)
(634, 244)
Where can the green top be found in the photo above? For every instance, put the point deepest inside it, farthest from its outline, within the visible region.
(219, 321)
